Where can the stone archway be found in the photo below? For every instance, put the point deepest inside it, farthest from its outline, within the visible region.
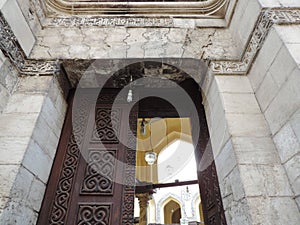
(160, 72)
(172, 212)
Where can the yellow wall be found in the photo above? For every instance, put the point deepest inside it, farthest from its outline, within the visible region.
(159, 134)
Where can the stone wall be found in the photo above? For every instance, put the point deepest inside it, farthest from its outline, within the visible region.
(275, 77)
(254, 185)
(8, 80)
(30, 127)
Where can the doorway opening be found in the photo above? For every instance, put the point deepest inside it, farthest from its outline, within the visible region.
(175, 166)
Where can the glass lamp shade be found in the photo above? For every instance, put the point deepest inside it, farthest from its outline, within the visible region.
(150, 157)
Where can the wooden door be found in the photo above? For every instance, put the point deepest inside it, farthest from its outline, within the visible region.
(92, 179)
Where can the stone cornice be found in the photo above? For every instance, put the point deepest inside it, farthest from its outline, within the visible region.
(157, 8)
(267, 18)
(11, 48)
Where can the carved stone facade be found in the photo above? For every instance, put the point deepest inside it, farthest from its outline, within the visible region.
(243, 54)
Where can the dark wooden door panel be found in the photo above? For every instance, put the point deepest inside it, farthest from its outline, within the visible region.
(92, 177)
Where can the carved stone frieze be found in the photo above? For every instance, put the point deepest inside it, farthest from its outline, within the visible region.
(177, 8)
(76, 21)
(267, 18)
(12, 49)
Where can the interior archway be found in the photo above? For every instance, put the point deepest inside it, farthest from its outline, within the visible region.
(172, 212)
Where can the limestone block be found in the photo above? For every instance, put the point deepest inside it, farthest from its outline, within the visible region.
(266, 180)
(2, 2)
(37, 161)
(174, 50)
(8, 76)
(269, 3)
(116, 35)
(17, 125)
(71, 36)
(244, 20)
(293, 172)
(36, 194)
(24, 103)
(288, 33)
(34, 84)
(225, 161)
(240, 103)
(4, 97)
(239, 213)
(237, 185)
(116, 51)
(41, 133)
(8, 175)
(289, 3)
(282, 66)
(22, 185)
(78, 50)
(234, 84)
(219, 133)
(266, 91)
(12, 149)
(226, 191)
(18, 25)
(135, 50)
(294, 50)
(298, 202)
(245, 125)
(51, 115)
(265, 58)
(286, 142)
(17, 213)
(177, 35)
(285, 103)
(274, 211)
(295, 123)
(255, 150)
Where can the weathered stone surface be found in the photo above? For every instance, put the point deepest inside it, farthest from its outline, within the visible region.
(24, 103)
(12, 149)
(287, 143)
(264, 180)
(265, 58)
(234, 84)
(37, 161)
(247, 125)
(285, 103)
(293, 170)
(266, 91)
(269, 211)
(282, 66)
(240, 103)
(255, 150)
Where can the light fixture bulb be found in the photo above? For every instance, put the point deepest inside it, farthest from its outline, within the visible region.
(129, 96)
(150, 157)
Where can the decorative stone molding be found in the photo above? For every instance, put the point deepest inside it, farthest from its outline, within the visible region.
(76, 21)
(179, 8)
(267, 18)
(12, 49)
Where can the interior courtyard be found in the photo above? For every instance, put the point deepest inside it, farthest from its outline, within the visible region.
(149, 112)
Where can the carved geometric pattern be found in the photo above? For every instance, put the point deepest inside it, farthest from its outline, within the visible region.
(129, 178)
(11, 48)
(94, 214)
(265, 21)
(107, 127)
(99, 173)
(70, 165)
